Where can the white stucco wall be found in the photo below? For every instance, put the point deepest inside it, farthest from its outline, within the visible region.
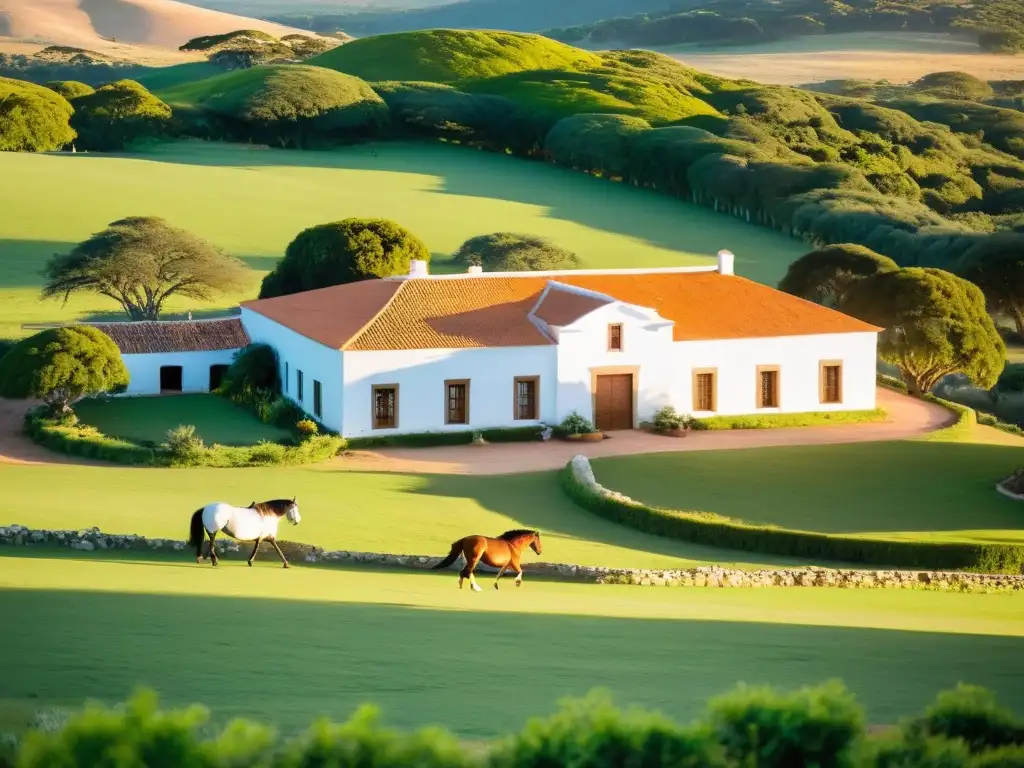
(144, 370)
(420, 376)
(798, 358)
(296, 352)
(583, 351)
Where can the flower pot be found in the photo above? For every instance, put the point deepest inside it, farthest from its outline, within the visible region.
(677, 432)
(587, 437)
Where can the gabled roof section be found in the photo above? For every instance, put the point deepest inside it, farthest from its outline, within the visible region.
(560, 306)
(149, 337)
(331, 316)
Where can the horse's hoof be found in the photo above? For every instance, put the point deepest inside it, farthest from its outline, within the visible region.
(286, 565)
(519, 583)
(495, 585)
(249, 563)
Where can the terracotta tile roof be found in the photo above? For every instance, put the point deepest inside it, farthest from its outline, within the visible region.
(561, 307)
(438, 313)
(331, 316)
(444, 314)
(139, 338)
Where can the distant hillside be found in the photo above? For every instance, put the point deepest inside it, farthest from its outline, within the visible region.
(444, 56)
(517, 16)
(142, 31)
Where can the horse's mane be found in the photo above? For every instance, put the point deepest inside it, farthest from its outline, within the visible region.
(518, 533)
(272, 507)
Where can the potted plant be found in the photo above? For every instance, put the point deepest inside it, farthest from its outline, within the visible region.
(576, 427)
(668, 421)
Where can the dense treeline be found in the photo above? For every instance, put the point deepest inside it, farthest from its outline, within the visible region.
(820, 726)
(997, 24)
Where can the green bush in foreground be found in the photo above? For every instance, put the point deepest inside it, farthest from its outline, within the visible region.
(819, 727)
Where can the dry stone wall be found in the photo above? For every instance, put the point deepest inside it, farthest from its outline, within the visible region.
(94, 540)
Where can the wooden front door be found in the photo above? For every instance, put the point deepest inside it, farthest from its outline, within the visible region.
(614, 402)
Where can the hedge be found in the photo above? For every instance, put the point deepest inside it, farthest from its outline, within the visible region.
(717, 531)
(461, 437)
(76, 439)
(815, 726)
(781, 420)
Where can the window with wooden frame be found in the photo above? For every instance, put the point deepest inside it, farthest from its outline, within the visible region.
(286, 381)
(615, 337)
(525, 393)
(830, 379)
(317, 398)
(767, 386)
(705, 389)
(298, 385)
(385, 406)
(456, 401)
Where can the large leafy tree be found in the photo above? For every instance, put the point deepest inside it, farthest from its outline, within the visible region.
(118, 114)
(512, 252)
(60, 365)
(935, 324)
(142, 261)
(996, 265)
(33, 118)
(343, 252)
(825, 275)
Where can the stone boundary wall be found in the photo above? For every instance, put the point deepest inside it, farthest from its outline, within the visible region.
(92, 539)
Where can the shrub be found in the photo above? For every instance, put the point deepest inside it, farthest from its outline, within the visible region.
(712, 530)
(891, 382)
(787, 420)
(971, 714)
(575, 424)
(254, 369)
(266, 453)
(668, 418)
(67, 436)
(461, 437)
(512, 252)
(306, 427)
(814, 726)
(184, 445)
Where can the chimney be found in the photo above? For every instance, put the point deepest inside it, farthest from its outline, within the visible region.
(475, 269)
(418, 268)
(725, 263)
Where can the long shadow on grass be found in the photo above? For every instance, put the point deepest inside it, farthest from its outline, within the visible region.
(599, 204)
(478, 673)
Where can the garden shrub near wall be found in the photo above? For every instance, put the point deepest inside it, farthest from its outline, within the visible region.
(460, 437)
(719, 531)
(815, 726)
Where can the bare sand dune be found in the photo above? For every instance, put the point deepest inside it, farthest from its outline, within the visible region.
(897, 57)
(148, 31)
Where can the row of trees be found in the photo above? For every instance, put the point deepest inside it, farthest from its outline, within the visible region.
(934, 322)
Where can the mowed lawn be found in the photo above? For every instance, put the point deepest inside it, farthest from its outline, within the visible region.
(253, 202)
(148, 419)
(925, 490)
(287, 646)
(369, 512)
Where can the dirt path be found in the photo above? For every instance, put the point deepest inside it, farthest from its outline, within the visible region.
(906, 418)
(15, 448)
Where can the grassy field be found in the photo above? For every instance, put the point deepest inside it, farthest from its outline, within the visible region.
(286, 646)
(924, 490)
(254, 201)
(147, 419)
(373, 512)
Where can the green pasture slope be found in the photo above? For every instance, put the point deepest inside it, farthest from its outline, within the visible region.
(254, 201)
(287, 646)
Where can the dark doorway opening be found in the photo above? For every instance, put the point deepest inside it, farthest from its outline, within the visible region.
(217, 375)
(170, 378)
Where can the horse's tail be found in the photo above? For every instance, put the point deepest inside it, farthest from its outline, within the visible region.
(195, 530)
(452, 556)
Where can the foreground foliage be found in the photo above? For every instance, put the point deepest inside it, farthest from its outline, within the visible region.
(113, 117)
(820, 726)
(33, 118)
(60, 365)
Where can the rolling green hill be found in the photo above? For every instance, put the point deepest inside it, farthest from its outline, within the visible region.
(445, 55)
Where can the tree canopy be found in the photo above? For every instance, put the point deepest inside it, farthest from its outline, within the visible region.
(70, 89)
(825, 275)
(118, 114)
(60, 365)
(140, 262)
(343, 252)
(33, 118)
(934, 324)
(996, 265)
(513, 252)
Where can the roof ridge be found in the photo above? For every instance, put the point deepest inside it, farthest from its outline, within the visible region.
(352, 339)
(581, 291)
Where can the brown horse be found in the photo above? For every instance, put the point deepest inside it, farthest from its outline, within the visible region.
(502, 553)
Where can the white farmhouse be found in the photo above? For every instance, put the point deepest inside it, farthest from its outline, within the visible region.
(172, 356)
(426, 353)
